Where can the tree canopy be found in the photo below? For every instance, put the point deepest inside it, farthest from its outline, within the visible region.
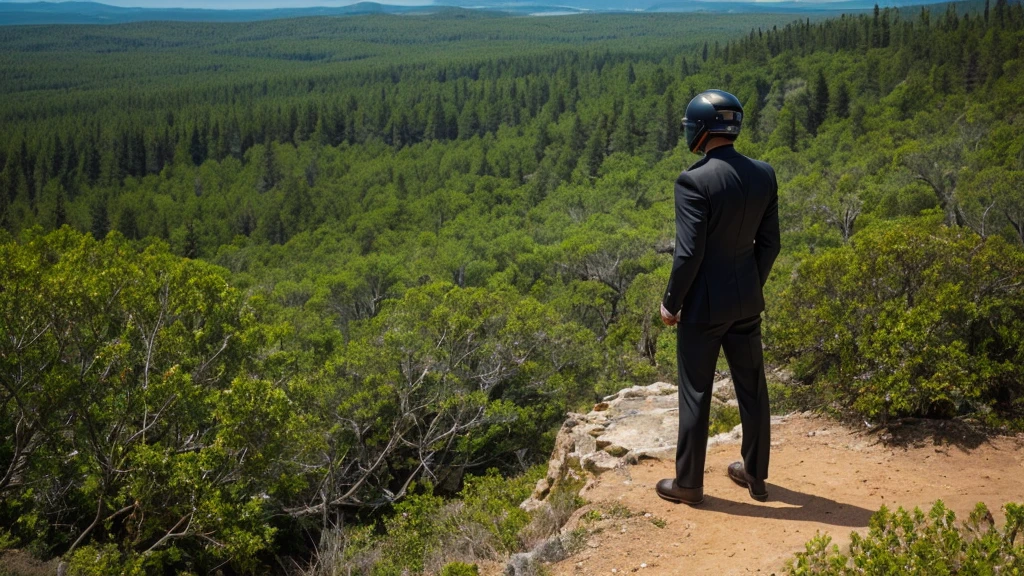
(259, 282)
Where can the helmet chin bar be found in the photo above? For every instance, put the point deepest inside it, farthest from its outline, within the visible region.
(699, 146)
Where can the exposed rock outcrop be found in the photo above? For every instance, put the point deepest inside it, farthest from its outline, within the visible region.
(523, 564)
(632, 424)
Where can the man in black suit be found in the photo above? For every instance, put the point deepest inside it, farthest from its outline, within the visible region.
(727, 238)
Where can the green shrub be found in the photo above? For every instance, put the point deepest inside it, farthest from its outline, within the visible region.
(411, 531)
(492, 501)
(7, 541)
(100, 560)
(484, 521)
(723, 418)
(460, 569)
(913, 543)
(909, 319)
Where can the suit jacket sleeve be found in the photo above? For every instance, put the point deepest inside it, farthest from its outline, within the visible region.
(692, 209)
(766, 242)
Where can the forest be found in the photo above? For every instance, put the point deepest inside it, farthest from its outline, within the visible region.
(292, 295)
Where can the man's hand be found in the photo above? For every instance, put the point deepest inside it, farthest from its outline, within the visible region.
(668, 318)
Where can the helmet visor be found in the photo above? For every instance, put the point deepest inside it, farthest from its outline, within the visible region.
(690, 131)
(728, 116)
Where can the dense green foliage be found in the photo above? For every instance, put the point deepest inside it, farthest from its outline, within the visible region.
(350, 255)
(140, 385)
(426, 532)
(130, 388)
(910, 318)
(913, 543)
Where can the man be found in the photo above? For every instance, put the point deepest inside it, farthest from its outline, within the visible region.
(727, 238)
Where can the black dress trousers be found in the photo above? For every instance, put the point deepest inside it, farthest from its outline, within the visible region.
(697, 348)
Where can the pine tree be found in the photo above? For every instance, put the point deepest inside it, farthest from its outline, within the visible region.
(270, 174)
(972, 72)
(875, 37)
(436, 127)
(541, 143)
(137, 154)
(92, 163)
(752, 118)
(100, 222)
(577, 137)
(840, 105)
(60, 213)
(469, 123)
(196, 148)
(247, 221)
(593, 155)
(57, 157)
(291, 128)
(999, 13)
(624, 138)
(127, 223)
(668, 136)
(190, 247)
(818, 108)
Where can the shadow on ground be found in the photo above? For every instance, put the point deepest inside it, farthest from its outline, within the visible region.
(920, 432)
(792, 506)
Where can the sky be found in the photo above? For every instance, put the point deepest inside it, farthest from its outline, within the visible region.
(266, 4)
(240, 4)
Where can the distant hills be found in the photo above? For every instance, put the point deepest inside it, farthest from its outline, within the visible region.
(97, 13)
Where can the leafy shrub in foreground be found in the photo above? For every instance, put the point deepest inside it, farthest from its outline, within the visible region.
(129, 412)
(912, 543)
(427, 533)
(909, 319)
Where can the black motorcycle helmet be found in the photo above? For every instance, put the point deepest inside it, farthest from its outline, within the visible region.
(712, 112)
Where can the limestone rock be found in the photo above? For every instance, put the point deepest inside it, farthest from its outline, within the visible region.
(733, 435)
(724, 390)
(542, 488)
(599, 462)
(615, 450)
(656, 389)
(626, 427)
(526, 563)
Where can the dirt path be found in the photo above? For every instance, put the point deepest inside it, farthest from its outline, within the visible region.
(824, 477)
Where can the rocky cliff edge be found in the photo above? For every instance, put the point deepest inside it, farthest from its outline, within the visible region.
(624, 428)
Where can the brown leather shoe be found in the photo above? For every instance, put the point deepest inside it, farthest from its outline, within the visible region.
(757, 489)
(668, 490)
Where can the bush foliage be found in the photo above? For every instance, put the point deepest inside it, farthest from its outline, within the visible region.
(911, 318)
(428, 533)
(917, 544)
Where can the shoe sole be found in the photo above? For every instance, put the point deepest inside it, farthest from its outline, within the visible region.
(679, 500)
(745, 484)
(758, 497)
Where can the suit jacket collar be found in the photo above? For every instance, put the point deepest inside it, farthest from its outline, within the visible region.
(722, 152)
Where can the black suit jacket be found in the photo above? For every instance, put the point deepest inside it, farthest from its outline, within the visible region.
(727, 238)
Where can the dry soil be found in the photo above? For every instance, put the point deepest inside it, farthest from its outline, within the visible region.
(824, 477)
